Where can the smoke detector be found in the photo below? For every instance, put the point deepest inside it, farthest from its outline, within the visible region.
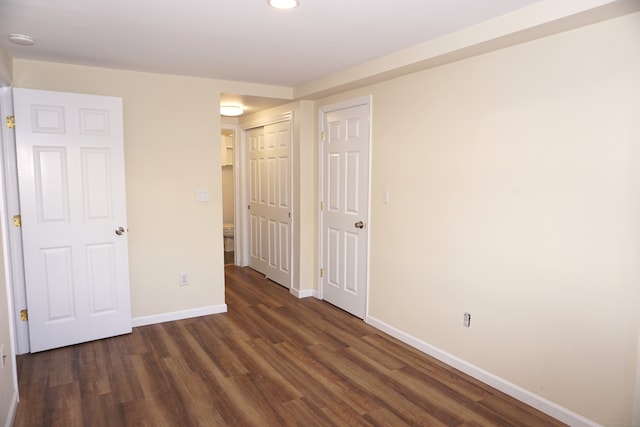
(21, 39)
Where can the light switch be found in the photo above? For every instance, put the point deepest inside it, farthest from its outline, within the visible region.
(385, 197)
(202, 195)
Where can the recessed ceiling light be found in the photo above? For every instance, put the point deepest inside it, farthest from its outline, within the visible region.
(21, 39)
(283, 4)
(231, 110)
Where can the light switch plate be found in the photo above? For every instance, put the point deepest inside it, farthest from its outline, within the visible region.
(202, 195)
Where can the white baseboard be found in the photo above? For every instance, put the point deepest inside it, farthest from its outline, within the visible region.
(12, 410)
(552, 409)
(304, 293)
(178, 315)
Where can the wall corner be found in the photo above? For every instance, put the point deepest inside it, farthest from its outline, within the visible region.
(6, 67)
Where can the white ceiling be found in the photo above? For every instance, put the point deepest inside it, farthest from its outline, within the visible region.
(238, 40)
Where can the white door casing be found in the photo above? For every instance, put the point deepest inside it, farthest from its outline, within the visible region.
(14, 234)
(70, 155)
(345, 145)
(269, 169)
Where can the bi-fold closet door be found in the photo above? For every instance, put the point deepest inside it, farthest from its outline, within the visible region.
(269, 152)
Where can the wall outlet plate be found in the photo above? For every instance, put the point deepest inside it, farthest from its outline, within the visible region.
(467, 320)
(184, 279)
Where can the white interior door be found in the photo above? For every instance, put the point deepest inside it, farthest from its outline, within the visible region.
(345, 200)
(70, 156)
(270, 201)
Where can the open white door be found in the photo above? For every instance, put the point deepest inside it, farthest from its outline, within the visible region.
(345, 199)
(70, 155)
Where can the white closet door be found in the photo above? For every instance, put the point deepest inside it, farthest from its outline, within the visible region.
(270, 201)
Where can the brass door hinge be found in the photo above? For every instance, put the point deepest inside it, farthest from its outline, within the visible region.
(24, 315)
(322, 136)
(17, 221)
(321, 206)
(322, 272)
(11, 122)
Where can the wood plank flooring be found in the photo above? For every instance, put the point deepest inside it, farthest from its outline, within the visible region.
(272, 360)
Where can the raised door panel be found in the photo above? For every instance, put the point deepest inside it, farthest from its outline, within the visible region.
(51, 185)
(103, 289)
(96, 184)
(56, 266)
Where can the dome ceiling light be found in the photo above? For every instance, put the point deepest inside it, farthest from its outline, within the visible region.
(231, 110)
(283, 4)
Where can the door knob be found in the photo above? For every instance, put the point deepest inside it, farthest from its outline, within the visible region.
(120, 231)
(359, 224)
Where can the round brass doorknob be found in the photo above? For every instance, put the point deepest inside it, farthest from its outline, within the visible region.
(359, 224)
(120, 231)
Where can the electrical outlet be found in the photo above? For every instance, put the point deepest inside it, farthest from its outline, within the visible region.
(467, 320)
(184, 279)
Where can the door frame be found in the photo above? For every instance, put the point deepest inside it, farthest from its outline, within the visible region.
(9, 188)
(242, 190)
(322, 111)
(237, 204)
(15, 265)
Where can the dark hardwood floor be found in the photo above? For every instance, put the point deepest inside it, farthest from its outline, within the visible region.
(272, 360)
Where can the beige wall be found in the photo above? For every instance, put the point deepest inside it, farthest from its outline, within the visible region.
(6, 67)
(306, 170)
(172, 148)
(513, 181)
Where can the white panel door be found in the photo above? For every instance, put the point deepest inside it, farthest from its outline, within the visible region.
(70, 155)
(345, 196)
(257, 206)
(270, 201)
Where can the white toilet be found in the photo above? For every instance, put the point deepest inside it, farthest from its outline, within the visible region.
(228, 232)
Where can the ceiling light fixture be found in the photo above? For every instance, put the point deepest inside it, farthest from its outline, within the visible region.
(283, 4)
(21, 39)
(231, 110)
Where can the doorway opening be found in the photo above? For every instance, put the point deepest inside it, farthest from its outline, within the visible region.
(262, 194)
(227, 144)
